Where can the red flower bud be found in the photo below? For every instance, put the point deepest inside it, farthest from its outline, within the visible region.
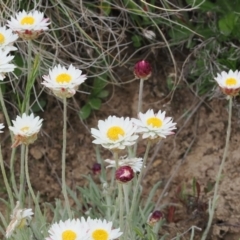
(124, 174)
(143, 70)
(155, 217)
(96, 169)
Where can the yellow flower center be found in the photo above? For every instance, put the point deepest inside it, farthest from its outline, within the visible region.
(27, 20)
(100, 234)
(69, 235)
(231, 82)
(64, 78)
(22, 223)
(155, 122)
(24, 129)
(114, 132)
(2, 38)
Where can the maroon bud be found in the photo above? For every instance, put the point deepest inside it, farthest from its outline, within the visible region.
(124, 174)
(155, 217)
(96, 169)
(143, 70)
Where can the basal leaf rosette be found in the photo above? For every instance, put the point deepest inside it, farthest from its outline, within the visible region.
(28, 25)
(115, 133)
(154, 126)
(25, 129)
(229, 82)
(5, 65)
(7, 38)
(64, 82)
(102, 230)
(69, 229)
(18, 219)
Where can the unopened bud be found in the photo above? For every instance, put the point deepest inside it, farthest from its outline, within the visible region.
(124, 174)
(154, 217)
(143, 70)
(96, 169)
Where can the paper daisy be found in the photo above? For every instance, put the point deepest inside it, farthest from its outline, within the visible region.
(25, 129)
(29, 25)
(102, 230)
(64, 82)
(5, 65)
(1, 127)
(229, 82)
(7, 38)
(115, 133)
(134, 163)
(68, 230)
(154, 126)
(19, 219)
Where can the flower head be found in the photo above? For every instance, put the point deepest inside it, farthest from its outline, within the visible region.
(7, 38)
(25, 129)
(19, 219)
(229, 82)
(124, 174)
(134, 163)
(64, 82)
(96, 168)
(155, 217)
(102, 230)
(29, 25)
(154, 126)
(5, 65)
(115, 133)
(68, 230)
(143, 70)
(1, 127)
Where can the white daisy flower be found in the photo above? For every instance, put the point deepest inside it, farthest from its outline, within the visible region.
(7, 38)
(1, 127)
(64, 82)
(25, 129)
(19, 219)
(71, 229)
(154, 126)
(5, 65)
(102, 230)
(229, 82)
(115, 133)
(29, 25)
(134, 163)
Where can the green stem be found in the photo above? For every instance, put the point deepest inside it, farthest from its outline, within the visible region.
(134, 203)
(29, 65)
(22, 175)
(9, 191)
(64, 188)
(29, 184)
(126, 192)
(212, 206)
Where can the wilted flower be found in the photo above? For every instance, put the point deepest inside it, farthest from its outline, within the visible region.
(229, 82)
(29, 25)
(1, 127)
(154, 126)
(134, 163)
(25, 129)
(5, 65)
(102, 230)
(64, 82)
(149, 34)
(143, 70)
(115, 133)
(155, 217)
(19, 219)
(68, 230)
(124, 174)
(7, 38)
(96, 168)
